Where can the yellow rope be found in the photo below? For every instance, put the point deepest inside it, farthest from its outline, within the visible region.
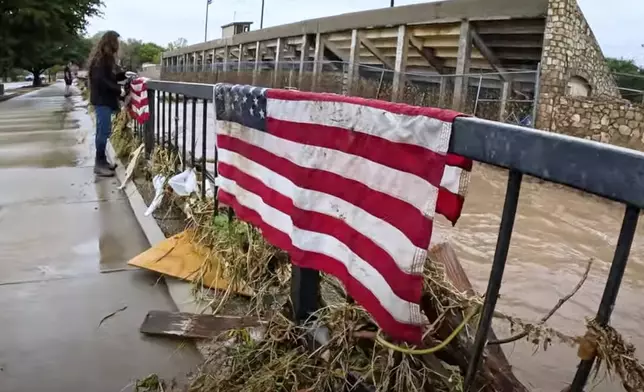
(429, 350)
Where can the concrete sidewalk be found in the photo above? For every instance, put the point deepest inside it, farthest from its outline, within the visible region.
(60, 229)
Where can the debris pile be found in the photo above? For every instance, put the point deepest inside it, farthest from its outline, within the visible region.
(340, 346)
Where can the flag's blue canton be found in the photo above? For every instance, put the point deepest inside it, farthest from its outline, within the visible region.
(245, 105)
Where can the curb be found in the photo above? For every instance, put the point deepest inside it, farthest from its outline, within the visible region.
(179, 290)
(6, 97)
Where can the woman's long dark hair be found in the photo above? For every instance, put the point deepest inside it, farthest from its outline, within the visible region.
(104, 53)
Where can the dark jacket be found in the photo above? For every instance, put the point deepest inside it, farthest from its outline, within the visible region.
(68, 75)
(103, 86)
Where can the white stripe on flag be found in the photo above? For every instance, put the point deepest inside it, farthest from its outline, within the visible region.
(379, 177)
(408, 257)
(140, 111)
(451, 179)
(140, 96)
(401, 310)
(423, 131)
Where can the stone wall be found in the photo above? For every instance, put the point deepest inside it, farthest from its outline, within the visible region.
(605, 120)
(570, 49)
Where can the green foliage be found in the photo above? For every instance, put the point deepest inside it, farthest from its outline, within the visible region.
(38, 34)
(134, 53)
(628, 75)
(150, 53)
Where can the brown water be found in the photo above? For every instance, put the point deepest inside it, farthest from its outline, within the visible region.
(557, 231)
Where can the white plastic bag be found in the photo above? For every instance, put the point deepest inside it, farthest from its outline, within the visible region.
(183, 184)
(158, 181)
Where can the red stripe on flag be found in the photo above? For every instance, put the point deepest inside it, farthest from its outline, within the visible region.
(402, 215)
(329, 265)
(449, 205)
(139, 104)
(409, 158)
(406, 286)
(396, 108)
(459, 161)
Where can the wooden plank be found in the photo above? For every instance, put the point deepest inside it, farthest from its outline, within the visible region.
(489, 55)
(496, 360)
(195, 326)
(402, 47)
(354, 60)
(318, 56)
(335, 50)
(304, 57)
(180, 257)
(462, 66)
(240, 58)
(279, 49)
(427, 53)
(258, 58)
(371, 47)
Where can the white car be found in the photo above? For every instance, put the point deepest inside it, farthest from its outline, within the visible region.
(30, 77)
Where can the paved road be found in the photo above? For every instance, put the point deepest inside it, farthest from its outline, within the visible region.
(63, 235)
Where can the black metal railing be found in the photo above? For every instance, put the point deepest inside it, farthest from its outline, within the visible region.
(608, 171)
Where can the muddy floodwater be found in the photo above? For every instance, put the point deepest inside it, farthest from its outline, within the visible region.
(557, 230)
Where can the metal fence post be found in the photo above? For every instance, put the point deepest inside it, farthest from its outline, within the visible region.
(496, 275)
(614, 281)
(535, 105)
(148, 139)
(305, 290)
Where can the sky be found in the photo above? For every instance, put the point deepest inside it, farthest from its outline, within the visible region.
(616, 25)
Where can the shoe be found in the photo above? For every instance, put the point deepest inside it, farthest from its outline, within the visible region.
(112, 166)
(102, 169)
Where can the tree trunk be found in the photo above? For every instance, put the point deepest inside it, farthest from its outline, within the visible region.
(37, 82)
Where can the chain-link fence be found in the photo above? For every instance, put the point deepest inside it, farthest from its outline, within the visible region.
(507, 97)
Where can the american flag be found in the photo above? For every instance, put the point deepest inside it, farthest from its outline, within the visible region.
(138, 105)
(347, 186)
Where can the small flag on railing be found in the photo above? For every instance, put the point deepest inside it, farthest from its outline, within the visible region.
(345, 185)
(139, 109)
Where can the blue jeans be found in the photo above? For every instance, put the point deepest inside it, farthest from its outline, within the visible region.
(103, 130)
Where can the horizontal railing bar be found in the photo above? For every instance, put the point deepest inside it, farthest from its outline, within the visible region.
(605, 170)
(191, 90)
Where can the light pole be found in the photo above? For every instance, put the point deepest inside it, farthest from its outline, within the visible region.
(261, 18)
(205, 35)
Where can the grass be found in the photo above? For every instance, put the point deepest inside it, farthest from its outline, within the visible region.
(248, 260)
(282, 360)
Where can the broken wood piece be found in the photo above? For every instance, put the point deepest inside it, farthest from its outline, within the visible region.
(195, 326)
(495, 373)
(182, 258)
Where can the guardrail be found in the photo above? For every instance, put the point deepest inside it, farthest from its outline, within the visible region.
(608, 171)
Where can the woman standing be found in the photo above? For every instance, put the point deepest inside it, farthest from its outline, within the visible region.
(105, 92)
(67, 73)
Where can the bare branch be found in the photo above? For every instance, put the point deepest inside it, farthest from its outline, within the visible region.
(545, 318)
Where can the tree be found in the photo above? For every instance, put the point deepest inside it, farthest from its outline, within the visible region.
(38, 34)
(150, 52)
(178, 44)
(130, 54)
(628, 75)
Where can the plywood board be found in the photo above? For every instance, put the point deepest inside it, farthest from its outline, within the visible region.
(181, 258)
